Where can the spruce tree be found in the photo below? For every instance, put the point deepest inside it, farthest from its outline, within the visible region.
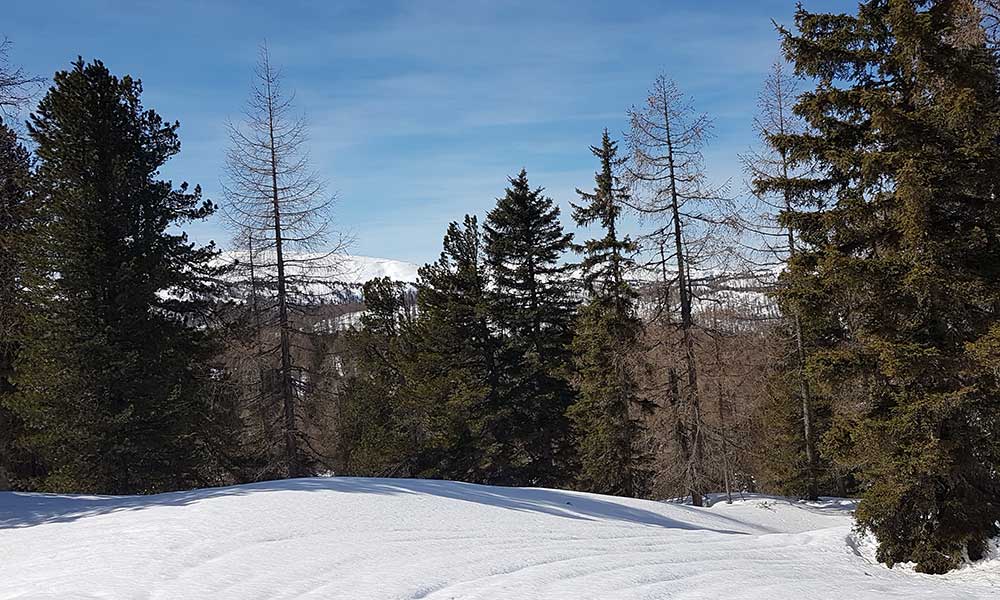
(607, 414)
(780, 183)
(114, 379)
(902, 254)
(531, 303)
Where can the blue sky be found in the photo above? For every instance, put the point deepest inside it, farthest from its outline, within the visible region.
(419, 110)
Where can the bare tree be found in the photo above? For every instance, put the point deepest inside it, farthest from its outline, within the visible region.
(768, 220)
(667, 171)
(17, 87)
(983, 23)
(288, 253)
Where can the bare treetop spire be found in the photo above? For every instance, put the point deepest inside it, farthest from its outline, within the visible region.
(280, 211)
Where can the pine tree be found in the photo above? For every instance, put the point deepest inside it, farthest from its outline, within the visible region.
(902, 253)
(15, 247)
(115, 381)
(532, 304)
(610, 432)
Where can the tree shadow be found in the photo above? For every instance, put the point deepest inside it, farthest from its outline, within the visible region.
(18, 510)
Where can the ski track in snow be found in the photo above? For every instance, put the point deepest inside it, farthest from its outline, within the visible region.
(356, 538)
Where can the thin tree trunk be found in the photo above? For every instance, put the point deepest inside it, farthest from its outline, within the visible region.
(287, 390)
(691, 393)
(800, 355)
(811, 484)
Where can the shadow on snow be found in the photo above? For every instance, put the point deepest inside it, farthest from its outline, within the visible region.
(29, 509)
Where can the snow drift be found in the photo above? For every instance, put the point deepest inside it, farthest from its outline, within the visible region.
(357, 539)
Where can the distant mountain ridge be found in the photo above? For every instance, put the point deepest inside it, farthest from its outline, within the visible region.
(347, 268)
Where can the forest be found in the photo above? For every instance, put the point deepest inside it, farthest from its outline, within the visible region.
(828, 327)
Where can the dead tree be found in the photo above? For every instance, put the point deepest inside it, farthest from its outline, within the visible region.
(286, 252)
(766, 219)
(667, 172)
(17, 87)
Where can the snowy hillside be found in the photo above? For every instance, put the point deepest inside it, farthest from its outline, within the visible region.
(365, 268)
(378, 538)
(340, 267)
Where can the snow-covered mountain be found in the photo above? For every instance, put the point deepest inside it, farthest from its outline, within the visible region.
(347, 268)
(365, 268)
(371, 539)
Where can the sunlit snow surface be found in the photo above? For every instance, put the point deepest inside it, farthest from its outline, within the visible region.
(381, 538)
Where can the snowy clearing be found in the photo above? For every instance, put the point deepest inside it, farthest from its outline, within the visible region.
(382, 538)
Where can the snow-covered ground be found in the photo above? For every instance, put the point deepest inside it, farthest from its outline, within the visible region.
(382, 538)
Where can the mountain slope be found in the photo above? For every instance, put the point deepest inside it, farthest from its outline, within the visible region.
(348, 268)
(380, 538)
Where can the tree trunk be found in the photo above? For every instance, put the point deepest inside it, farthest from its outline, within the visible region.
(693, 430)
(287, 389)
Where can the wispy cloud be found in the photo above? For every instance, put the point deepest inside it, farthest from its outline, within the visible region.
(420, 110)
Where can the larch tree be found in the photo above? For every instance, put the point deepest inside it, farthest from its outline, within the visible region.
(666, 170)
(287, 257)
(780, 186)
(17, 87)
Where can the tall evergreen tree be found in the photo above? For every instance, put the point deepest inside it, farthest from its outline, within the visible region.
(15, 247)
(114, 378)
(531, 303)
(458, 368)
(780, 185)
(425, 398)
(379, 422)
(607, 414)
(904, 254)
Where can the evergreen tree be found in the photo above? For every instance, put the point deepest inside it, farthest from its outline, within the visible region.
(531, 303)
(780, 183)
(114, 378)
(378, 421)
(611, 436)
(15, 247)
(457, 369)
(902, 255)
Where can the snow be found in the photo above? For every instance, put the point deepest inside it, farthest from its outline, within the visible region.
(366, 268)
(348, 268)
(356, 538)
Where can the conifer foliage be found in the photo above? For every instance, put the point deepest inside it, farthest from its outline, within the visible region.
(15, 247)
(115, 385)
(531, 304)
(611, 440)
(903, 253)
(458, 369)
